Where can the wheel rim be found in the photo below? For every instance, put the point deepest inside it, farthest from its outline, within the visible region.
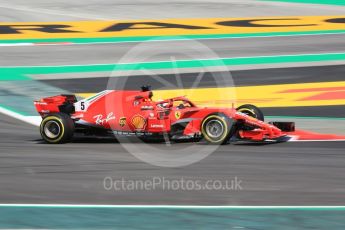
(214, 129)
(248, 112)
(52, 129)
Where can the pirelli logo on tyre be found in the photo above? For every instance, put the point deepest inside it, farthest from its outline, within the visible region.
(172, 27)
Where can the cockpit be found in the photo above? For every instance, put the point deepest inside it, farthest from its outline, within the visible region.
(177, 103)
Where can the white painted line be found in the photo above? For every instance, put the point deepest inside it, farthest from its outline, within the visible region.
(17, 44)
(33, 120)
(36, 44)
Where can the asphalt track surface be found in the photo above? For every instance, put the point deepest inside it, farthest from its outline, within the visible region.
(165, 50)
(275, 174)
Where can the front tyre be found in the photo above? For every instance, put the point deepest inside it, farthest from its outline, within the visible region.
(57, 128)
(252, 111)
(216, 129)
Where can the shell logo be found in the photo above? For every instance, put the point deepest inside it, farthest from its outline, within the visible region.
(138, 122)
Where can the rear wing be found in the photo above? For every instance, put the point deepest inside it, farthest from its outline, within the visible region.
(61, 103)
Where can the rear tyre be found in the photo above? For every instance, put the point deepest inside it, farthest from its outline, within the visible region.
(216, 129)
(57, 128)
(252, 111)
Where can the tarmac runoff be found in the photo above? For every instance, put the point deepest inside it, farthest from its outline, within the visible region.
(63, 10)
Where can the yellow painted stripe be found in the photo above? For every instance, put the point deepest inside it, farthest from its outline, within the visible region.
(92, 29)
(262, 96)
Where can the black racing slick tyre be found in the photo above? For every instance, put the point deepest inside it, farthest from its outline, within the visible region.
(252, 111)
(57, 128)
(216, 129)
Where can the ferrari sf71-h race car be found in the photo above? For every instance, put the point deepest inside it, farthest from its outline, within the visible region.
(134, 113)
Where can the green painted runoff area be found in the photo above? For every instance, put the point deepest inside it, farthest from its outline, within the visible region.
(170, 218)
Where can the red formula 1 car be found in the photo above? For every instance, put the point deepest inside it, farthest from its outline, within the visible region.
(134, 113)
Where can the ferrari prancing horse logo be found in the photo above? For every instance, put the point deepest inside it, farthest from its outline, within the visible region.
(177, 114)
